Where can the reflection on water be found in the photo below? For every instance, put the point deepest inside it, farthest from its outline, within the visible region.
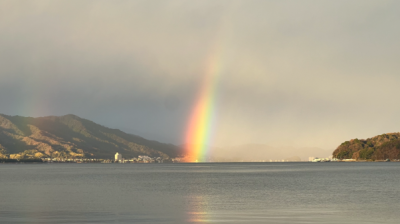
(200, 193)
(197, 209)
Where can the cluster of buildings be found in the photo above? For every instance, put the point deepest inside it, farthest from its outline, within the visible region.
(139, 159)
(118, 159)
(61, 160)
(316, 159)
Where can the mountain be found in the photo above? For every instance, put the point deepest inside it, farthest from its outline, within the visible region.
(70, 136)
(385, 146)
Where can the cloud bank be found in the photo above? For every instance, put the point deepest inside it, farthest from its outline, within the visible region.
(293, 73)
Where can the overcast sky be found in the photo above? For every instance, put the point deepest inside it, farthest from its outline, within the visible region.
(292, 73)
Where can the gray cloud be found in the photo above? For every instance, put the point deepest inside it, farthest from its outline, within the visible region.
(293, 73)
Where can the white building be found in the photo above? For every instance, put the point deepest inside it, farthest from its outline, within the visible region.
(118, 157)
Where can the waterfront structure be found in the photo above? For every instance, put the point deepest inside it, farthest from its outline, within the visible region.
(118, 157)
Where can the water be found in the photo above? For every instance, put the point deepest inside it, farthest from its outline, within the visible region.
(200, 193)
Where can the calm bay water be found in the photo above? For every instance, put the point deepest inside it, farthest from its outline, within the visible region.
(200, 193)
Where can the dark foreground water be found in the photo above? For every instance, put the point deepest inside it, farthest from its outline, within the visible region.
(200, 193)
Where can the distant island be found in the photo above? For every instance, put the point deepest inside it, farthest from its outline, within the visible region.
(381, 147)
(72, 137)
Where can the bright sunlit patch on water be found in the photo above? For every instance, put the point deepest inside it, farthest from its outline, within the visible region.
(272, 216)
(198, 210)
(197, 217)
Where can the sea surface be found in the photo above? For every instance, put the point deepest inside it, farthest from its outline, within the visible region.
(200, 193)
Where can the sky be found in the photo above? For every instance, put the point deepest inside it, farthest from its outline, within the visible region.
(291, 73)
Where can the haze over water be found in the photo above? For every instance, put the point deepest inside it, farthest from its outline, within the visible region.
(200, 193)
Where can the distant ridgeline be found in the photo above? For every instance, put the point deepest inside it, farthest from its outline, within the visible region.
(386, 146)
(70, 137)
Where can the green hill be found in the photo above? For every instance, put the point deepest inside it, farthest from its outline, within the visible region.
(386, 146)
(70, 136)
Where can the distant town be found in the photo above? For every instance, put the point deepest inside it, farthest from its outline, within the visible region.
(147, 159)
(117, 159)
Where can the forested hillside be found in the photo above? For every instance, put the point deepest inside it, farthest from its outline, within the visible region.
(386, 146)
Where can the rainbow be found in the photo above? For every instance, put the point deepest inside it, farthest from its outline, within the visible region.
(202, 119)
